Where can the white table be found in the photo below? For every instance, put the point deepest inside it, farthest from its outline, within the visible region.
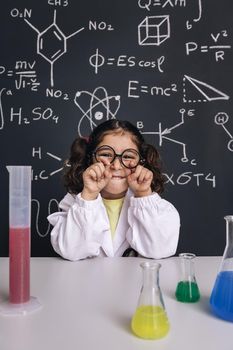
(87, 305)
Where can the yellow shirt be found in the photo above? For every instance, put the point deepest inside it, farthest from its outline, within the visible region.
(113, 207)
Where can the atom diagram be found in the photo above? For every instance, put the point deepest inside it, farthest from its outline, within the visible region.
(100, 107)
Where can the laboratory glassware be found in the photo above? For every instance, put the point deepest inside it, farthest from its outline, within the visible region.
(20, 301)
(221, 299)
(150, 320)
(187, 290)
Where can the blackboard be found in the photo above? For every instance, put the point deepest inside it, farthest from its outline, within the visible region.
(165, 65)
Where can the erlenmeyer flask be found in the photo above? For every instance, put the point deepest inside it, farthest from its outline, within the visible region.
(187, 289)
(150, 320)
(221, 299)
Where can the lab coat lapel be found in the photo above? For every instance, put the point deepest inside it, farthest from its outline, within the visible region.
(107, 244)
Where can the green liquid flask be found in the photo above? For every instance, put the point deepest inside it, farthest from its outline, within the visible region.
(187, 290)
(150, 320)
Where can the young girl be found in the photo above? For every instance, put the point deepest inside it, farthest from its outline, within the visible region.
(113, 204)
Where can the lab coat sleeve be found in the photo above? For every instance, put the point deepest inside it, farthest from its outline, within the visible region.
(79, 227)
(154, 226)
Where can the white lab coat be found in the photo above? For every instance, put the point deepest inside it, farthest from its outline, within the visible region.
(150, 225)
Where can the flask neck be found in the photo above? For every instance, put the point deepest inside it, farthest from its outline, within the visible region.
(229, 230)
(227, 260)
(187, 267)
(150, 274)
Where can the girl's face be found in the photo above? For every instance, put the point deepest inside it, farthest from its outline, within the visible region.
(117, 185)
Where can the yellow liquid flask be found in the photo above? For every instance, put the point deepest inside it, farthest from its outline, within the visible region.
(150, 320)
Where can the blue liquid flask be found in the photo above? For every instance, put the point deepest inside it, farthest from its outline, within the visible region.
(221, 300)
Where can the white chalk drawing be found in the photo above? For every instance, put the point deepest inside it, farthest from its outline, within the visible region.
(187, 177)
(221, 119)
(26, 79)
(43, 174)
(1, 110)
(18, 116)
(154, 30)
(99, 107)
(52, 43)
(207, 92)
(56, 158)
(25, 76)
(167, 131)
(38, 219)
(144, 4)
(2, 120)
(97, 60)
(217, 49)
(197, 19)
(199, 11)
(135, 89)
(147, 4)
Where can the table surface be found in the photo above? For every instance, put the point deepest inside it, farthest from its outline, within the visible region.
(88, 305)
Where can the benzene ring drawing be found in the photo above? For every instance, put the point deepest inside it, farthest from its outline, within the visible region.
(98, 107)
(51, 43)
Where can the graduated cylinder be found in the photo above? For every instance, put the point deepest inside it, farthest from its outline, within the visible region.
(19, 233)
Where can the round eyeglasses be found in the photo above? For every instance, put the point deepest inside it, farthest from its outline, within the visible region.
(130, 158)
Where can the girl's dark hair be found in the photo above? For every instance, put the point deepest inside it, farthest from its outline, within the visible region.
(81, 155)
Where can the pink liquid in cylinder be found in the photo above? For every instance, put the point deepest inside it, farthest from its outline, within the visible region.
(19, 265)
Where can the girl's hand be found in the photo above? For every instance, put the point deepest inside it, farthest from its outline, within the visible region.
(95, 178)
(140, 181)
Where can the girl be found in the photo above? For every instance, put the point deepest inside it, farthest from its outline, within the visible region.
(113, 204)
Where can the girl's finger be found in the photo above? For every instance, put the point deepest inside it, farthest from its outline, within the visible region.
(96, 171)
(136, 172)
(145, 175)
(92, 174)
(105, 162)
